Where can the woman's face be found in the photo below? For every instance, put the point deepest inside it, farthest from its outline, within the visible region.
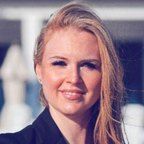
(70, 71)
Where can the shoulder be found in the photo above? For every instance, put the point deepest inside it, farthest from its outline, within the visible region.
(43, 130)
(25, 136)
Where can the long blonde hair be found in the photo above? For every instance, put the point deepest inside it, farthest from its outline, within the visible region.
(108, 124)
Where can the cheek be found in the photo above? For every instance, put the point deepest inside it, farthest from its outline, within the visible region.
(51, 81)
(94, 88)
(93, 82)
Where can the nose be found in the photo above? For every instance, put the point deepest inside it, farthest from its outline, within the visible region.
(74, 76)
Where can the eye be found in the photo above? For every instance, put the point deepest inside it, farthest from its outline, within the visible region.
(89, 65)
(59, 63)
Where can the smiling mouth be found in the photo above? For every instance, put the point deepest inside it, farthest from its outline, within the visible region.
(73, 95)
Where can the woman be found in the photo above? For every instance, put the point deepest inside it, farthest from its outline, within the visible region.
(81, 78)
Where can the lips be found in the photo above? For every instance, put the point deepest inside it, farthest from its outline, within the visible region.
(72, 94)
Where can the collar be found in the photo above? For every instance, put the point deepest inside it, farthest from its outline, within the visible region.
(46, 129)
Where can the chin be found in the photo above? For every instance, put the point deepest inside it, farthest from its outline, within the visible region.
(72, 111)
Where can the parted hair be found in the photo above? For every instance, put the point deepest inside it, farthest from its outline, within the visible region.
(108, 129)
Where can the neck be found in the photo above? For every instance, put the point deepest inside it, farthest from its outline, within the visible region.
(73, 127)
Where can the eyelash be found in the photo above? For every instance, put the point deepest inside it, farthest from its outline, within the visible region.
(89, 65)
(59, 63)
(85, 64)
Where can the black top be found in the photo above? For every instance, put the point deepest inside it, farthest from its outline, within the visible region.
(42, 131)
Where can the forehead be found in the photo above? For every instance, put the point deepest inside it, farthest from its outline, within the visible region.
(59, 30)
(68, 32)
(72, 42)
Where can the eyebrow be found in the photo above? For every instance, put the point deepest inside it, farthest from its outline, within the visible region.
(82, 61)
(58, 57)
(91, 60)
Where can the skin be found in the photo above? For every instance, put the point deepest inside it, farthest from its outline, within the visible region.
(70, 74)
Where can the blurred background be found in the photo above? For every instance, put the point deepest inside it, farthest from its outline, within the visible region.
(20, 24)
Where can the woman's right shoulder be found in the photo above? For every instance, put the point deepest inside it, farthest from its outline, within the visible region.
(25, 136)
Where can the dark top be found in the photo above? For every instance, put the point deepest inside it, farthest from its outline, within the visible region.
(42, 131)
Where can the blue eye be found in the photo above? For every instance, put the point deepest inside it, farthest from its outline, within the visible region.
(89, 65)
(59, 63)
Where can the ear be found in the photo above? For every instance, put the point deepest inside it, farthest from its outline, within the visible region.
(39, 73)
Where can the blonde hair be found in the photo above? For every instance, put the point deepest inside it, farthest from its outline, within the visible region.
(108, 124)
